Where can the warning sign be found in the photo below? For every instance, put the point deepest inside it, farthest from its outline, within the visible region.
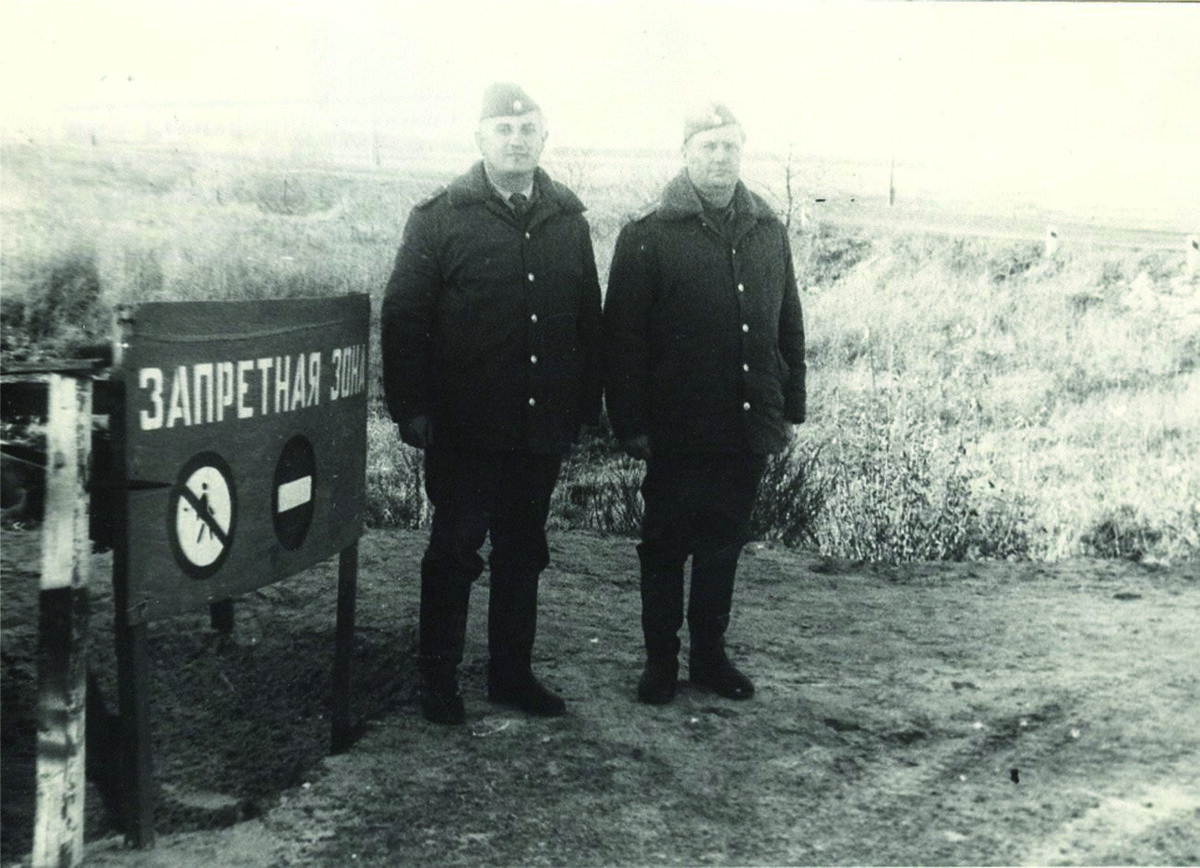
(202, 515)
(242, 443)
(293, 507)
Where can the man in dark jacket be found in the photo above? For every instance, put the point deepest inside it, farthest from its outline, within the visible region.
(705, 377)
(490, 328)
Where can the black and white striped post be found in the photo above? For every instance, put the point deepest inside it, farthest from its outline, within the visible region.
(63, 624)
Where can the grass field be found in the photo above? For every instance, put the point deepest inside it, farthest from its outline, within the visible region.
(970, 397)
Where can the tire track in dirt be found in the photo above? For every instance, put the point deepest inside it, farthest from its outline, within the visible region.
(1120, 829)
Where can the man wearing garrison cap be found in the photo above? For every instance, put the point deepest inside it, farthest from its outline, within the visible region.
(490, 340)
(704, 380)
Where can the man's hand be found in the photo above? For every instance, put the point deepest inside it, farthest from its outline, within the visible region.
(637, 447)
(419, 432)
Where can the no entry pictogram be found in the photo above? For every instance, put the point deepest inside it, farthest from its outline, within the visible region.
(203, 515)
(295, 477)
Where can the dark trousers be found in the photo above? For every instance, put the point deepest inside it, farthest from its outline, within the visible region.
(476, 494)
(697, 505)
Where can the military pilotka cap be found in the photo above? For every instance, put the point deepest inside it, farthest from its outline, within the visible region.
(709, 116)
(504, 99)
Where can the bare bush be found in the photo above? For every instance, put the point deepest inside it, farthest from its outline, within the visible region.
(60, 309)
(898, 491)
(395, 478)
(828, 253)
(791, 497)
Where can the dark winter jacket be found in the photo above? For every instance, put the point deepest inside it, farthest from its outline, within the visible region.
(703, 329)
(491, 327)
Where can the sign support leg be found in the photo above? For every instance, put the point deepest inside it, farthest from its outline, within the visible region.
(344, 651)
(135, 771)
(62, 628)
(220, 616)
(137, 766)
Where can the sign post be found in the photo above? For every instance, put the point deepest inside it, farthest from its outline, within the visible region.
(241, 445)
(62, 626)
(343, 727)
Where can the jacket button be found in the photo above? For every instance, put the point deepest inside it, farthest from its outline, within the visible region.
(531, 277)
(746, 406)
(526, 234)
(533, 360)
(745, 327)
(533, 402)
(741, 287)
(533, 317)
(746, 368)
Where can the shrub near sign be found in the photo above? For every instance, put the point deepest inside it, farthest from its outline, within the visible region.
(242, 444)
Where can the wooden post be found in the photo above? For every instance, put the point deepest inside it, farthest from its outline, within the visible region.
(1052, 242)
(343, 658)
(62, 626)
(136, 769)
(135, 773)
(137, 751)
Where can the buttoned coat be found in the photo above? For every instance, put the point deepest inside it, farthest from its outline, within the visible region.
(490, 325)
(704, 333)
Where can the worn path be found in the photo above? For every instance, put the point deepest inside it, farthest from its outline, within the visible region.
(943, 714)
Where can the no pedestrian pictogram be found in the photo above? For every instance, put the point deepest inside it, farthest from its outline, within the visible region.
(203, 515)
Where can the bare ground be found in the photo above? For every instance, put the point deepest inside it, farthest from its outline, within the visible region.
(988, 713)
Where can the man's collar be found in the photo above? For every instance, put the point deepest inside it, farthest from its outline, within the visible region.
(474, 186)
(714, 210)
(680, 200)
(506, 194)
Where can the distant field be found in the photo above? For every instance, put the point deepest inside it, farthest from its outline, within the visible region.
(970, 396)
(856, 193)
(1022, 224)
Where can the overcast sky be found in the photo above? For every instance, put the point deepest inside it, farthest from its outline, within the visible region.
(1068, 94)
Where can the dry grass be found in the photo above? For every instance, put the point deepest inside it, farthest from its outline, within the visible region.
(968, 397)
(1064, 393)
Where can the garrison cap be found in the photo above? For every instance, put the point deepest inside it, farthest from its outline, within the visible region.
(503, 99)
(708, 116)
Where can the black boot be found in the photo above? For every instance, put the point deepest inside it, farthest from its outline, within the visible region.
(715, 672)
(659, 680)
(661, 675)
(662, 616)
(512, 628)
(708, 666)
(512, 682)
(441, 637)
(441, 701)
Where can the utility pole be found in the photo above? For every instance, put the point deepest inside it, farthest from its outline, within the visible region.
(787, 183)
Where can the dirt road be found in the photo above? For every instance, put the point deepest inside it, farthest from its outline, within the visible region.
(946, 714)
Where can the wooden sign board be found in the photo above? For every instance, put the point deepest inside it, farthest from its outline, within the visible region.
(242, 444)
